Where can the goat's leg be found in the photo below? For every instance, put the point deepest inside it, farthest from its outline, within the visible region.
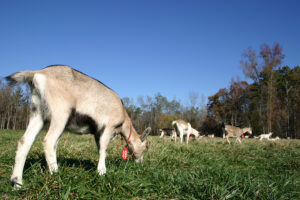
(104, 141)
(227, 137)
(181, 137)
(57, 126)
(34, 127)
(188, 133)
(174, 135)
(239, 139)
(187, 137)
(97, 140)
(162, 134)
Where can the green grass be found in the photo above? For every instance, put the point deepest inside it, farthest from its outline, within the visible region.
(205, 169)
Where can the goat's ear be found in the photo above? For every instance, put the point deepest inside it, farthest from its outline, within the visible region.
(145, 133)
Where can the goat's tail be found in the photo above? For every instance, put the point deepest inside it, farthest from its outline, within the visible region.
(20, 77)
(174, 123)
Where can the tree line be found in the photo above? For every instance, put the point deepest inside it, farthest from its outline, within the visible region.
(269, 103)
(158, 112)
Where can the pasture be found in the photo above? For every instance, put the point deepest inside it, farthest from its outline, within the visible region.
(204, 169)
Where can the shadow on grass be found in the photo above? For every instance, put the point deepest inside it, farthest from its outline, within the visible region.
(71, 162)
(78, 163)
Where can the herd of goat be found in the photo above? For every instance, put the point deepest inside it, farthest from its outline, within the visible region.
(69, 99)
(182, 128)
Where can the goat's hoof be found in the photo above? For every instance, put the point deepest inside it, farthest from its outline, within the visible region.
(53, 171)
(17, 187)
(16, 183)
(102, 172)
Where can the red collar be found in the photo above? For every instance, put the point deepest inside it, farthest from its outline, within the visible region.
(125, 150)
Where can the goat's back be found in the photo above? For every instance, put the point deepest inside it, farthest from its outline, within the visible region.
(91, 95)
(180, 123)
(67, 87)
(74, 79)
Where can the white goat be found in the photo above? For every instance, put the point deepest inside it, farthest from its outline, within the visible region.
(237, 132)
(182, 128)
(274, 139)
(70, 99)
(265, 136)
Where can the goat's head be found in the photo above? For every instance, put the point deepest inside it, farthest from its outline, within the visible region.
(249, 130)
(140, 149)
(270, 133)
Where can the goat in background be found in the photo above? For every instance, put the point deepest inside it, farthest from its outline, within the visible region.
(265, 136)
(233, 131)
(182, 128)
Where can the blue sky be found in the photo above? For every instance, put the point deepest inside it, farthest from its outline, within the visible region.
(140, 48)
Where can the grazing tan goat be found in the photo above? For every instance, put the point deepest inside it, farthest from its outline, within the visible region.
(237, 132)
(70, 99)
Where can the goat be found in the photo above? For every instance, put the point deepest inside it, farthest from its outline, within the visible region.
(182, 128)
(274, 139)
(167, 131)
(237, 132)
(265, 136)
(70, 99)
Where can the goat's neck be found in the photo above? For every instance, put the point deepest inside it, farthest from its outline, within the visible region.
(133, 137)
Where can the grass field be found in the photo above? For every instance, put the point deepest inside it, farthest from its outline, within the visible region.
(205, 169)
